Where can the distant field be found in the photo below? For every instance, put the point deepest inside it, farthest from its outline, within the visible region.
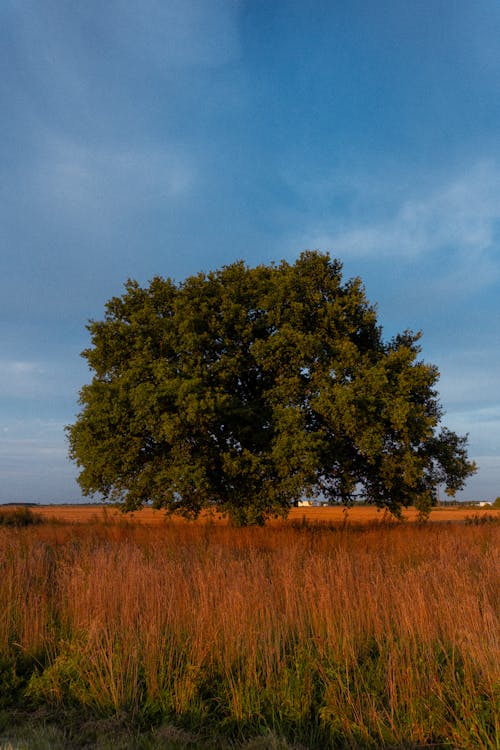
(330, 515)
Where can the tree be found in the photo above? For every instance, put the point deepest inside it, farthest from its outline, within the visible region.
(245, 389)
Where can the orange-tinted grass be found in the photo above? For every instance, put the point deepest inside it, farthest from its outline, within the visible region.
(329, 515)
(386, 634)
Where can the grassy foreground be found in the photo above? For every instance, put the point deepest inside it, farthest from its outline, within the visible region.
(198, 635)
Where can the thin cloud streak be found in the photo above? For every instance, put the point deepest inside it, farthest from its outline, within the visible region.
(104, 182)
(35, 380)
(21, 379)
(462, 217)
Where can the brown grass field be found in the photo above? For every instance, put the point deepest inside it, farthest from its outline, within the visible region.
(313, 633)
(326, 515)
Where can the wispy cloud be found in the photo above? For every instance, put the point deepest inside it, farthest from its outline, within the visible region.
(78, 100)
(461, 217)
(65, 42)
(20, 379)
(23, 380)
(92, 182)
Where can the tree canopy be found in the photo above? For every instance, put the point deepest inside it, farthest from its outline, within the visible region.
(245, 389)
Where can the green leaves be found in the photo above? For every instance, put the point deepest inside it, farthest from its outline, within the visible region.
(246, 388)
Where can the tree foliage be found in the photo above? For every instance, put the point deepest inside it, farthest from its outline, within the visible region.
(245, 389)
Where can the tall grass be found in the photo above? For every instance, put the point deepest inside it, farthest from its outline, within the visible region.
(359, 638)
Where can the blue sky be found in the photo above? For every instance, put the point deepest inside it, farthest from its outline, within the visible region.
(164, 137)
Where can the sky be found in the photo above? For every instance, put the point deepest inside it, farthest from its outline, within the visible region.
(167, 137)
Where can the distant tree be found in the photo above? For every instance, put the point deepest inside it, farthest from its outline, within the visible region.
(496, 503)
(245, 389)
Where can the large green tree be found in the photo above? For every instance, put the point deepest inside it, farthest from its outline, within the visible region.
(246, 388)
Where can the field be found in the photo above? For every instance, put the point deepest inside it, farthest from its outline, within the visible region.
(319, 632)
(326, 515)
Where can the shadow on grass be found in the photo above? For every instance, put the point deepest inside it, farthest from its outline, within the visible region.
(74, 730)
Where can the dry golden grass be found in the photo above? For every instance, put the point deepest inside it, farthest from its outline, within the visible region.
(357, 636)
